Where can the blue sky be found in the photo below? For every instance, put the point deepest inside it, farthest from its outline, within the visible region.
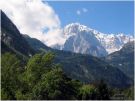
(104, 16)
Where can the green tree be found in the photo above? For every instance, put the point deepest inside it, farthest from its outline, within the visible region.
(10, 70)
(55, 85)
(129, 93)
(40, 79)
(36, 66)
(87, 92)
(103, 92)
(46, 80)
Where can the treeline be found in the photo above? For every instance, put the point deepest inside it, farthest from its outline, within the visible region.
(41, 79)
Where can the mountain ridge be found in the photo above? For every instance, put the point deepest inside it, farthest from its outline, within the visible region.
(14, 41)
(81, 40)
(110, 42)
(123, 59)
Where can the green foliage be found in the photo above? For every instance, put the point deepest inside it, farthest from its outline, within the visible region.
(54, 85)
(36, 66)
(129, 93)
(46, 80)
(103, 91)
(10, 69)
(87, 92)
(98, 91)
(41, 79)
(4, 94)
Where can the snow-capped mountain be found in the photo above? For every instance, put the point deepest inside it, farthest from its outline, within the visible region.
(112, 42)
(82, 39)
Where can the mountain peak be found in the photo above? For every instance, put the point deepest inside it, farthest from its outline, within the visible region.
(81, 39)
(76, 24)
(76, 31)
(75, 28)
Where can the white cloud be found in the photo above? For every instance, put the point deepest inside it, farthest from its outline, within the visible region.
(78, 12)
(32, 16)
(81, 11)
(84, 10)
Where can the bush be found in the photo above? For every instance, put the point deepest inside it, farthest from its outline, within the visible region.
(87, 92)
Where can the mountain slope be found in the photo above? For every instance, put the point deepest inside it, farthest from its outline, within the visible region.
(36, 44)
(89, 69)
(123, 59)
(85, 68)
(11, 37)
